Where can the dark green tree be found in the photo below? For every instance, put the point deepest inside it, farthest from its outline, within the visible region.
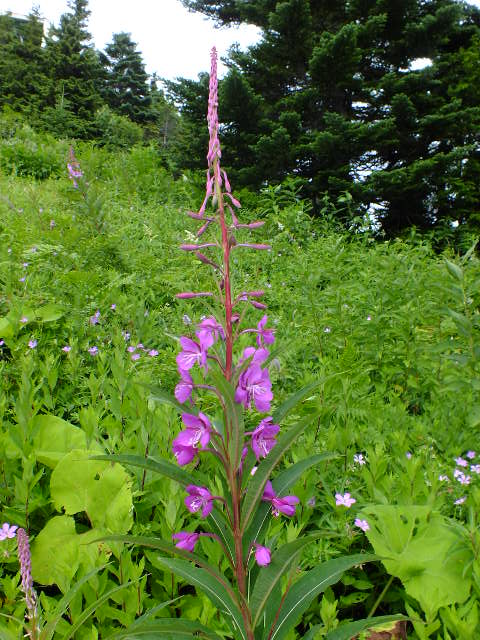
(126, 89)
(75, 68)
(24, 82)
(334, 97)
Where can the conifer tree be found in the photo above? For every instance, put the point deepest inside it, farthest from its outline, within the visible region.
(126, 89)
(339, 102)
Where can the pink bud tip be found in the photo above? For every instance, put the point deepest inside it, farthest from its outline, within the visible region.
(195, 247)
(260, 247)
(190, 294)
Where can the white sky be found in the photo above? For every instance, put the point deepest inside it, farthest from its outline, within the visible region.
(173, 41)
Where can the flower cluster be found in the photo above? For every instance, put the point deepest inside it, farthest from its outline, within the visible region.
(74, 170)
(218, 345)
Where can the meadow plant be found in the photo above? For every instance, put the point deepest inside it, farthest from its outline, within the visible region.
(224, 362)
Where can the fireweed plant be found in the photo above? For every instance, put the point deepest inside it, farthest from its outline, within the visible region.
(262, 595)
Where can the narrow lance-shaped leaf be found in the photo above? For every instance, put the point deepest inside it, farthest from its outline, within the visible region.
(215, 591)
(352, 629)
(308, 587)
(265, 468)
(167, 629)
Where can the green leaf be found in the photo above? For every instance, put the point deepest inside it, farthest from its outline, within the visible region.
(159, 395)
(265, 468)
(454, 270)
(49, 313)
(168, 629)
(270, 576)
(165, 468)
(281, 484)
(234, 412)
(215, 588)
(312, 583)
(285, 408)
(55, 437)
(101, 489)
(352, 629)
(6, 328)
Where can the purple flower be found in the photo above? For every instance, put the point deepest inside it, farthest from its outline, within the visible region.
(262, 555)
(93, 351)
(32, 344)
(186, 540)
(183, 390)
(26, 572)
(23, 319)
(131, 349)
(7, 531)
(344, 501)
(475, 468)
(463, 479)
(113, 306)
(443, 478)
(199, 498)
(460, 500)
(408, 455)
(95, 318)
(254, 385)
(140, 346)
(66, 348)
(461, 462)
(52, 224)
(209, 330)
(285, 505)
(263, 438)
(191, 354)
(359, 459)
(153, 353)
(265, 336)
(197, 433)
(362, 524)
(471, 455)
(135, 356)
(22, 279)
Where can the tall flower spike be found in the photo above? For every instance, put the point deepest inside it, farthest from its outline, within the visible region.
(26, 573)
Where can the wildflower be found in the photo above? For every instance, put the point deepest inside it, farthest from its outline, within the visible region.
(140, 346)
(443, 478)
(95, 318)
(186, 540)
(460, 500)
(461, 462)
(285, 505)
(52, 224)
(135, 357)
(126, 335)
(344, 501)
(93, 351)
(191, 354)
(463, 479)
(67, 348)
(408, 455)
(369, 318)
(362, 524)
(199, 498)
(23, 319)
(196, 434)
(32, 343)
(311, 502)
(471, 455)
(26, 572)
(73, 166)
(209, 332)
(186, 319)
(22, 279)
(327, 330)
(263, 438)
(25, 265)
(359, 459)
(131, 349)
(183, 390)
(265, 336)
(7, 531)
(113, 306)
(475, 468)
(254, 385)
(262, 555)
(153, 353)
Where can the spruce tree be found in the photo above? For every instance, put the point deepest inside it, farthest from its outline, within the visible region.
(126, 89)
(337, 102)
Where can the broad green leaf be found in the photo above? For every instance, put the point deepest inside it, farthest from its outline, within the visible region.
(352, 629)
(454, 270)
(417, 546)
(265, 468)
(167, 629)
(49, 313)
(165, 468)
(6, 328)
(289, 404)
(312, 583)
(55, 437)
(220, 594)
(101, 489)
(270, 576)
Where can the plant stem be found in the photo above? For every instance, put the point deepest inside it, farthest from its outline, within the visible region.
(380, 597)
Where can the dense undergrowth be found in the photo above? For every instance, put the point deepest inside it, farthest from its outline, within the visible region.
(88, 321)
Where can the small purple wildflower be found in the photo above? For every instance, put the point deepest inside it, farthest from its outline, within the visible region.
(460, 500)
(7, 531)
(443, 478)
(67, 348)
(461, 462)
(52, 224)
(471, 455)
(95, 318)
(153, 353)
(408, 455)
(265, 336)
(369, 318)
(186, 540)
(183, 390)
(135, 357)
(311, 502)
(22, 279)
(344, 501)
(359, 459)
(197, 433)
(131, 349)
(262, 555)
(362, 524)
(186, 319)
(93, 351)
(199, 498)
(140, 346)
(475, 468)
(285, 505)
(23, 319)
(463, 479)
(191, 354)
(113, 306)
(254, 386)
(32, 343)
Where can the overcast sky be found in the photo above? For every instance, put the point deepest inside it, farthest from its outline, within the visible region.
(173, 41)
